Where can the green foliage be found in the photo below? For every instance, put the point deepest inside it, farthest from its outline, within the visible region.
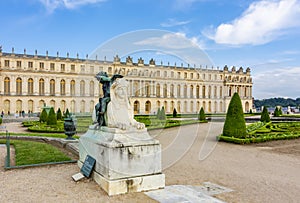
(43, 116)
(276, 112)
(158, 113)
(51, 120)
(280, 111)
(235, 125)
(265, 117)
(250, 111)
(201, 115)
(28, 152)
(0, 121)
(58, 114)
(67, 114)
(162, 114)
(174, 113)
(272, 102)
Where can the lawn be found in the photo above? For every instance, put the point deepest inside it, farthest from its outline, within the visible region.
(28, 152)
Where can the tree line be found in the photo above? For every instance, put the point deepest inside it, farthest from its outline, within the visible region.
(273, 102)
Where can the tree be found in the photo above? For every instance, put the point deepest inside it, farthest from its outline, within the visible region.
(280, 111)
(250, 111)
(265, 117)
(67, 114)
(51, 120)
(201, 115)
(58, 114)
(162, 115)
(235, 125)
(158, 113)
(174, 113)
(43, 116)
(276, 112)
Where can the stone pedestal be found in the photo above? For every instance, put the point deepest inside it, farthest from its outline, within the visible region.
(126, 160)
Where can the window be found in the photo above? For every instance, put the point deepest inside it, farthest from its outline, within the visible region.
(185, 75)
(82, 68)
(158, 90)
(30, 86)
(41, 66)
(62, 67)
(136, 107)
(52, 87)
(192, 91)
(178, 91)
(92, 91)
(41, 86)
(172, 90)
(72, 87)
(52, 67)
(19, 86)
(63, 87)
(197, 92)
(19, 64)
(6, 86)
(191, 75)
(147, 107)
(185, 91)
(82, 88)
(30, 64)
(72, 68)
(165, 93)
(6, 63)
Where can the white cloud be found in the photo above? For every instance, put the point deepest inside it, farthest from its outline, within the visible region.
(172, 41)
(261, 23)
(282, 82)
(51, 5)
(171, 22)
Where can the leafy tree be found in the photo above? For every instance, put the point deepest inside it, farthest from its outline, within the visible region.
(201, 115)
(280, 111)
(235, 125)
(0, 121)
(276, 112)
(265, 117)
(58, 114)
(174, 113)
(43, 116)
(51, 120)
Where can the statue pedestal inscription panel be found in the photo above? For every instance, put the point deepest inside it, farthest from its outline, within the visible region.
(126, 160)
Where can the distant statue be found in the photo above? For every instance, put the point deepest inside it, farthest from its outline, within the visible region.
(129, 59)
(101, 107)
(152, 61)
(119, 111)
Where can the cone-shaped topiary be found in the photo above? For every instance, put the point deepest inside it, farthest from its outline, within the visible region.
(0, 121)
(235, 125)
(265, 117)
(250, 111)
(201, 115)
(276, 112)
(174, 113)
(162, 114)
(43, 116)
(58, 114)
(280, 111)
(51, 120)
(67, 114)
(158, 113)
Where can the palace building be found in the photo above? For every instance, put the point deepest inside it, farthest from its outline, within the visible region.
(28, 82)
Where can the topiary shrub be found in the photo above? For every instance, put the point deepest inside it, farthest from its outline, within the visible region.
(250, 111)
(51, 120)
(174, 113)
(67, 114)
(201, 115)
(0, 121)
(43, 116)
(235, 125)
(162, 115)
(58, 114)
(158, 113)
(265, 117)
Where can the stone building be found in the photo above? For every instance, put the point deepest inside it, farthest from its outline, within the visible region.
(30, 81)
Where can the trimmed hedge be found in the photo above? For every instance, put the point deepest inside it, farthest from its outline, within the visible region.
(201, 115)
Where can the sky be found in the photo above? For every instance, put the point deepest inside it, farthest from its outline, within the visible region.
(261, 34)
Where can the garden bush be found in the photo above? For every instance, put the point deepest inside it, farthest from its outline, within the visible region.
(51, 120)
(235, 125)
(58, 114)
(0, 121)
(265, 117)
(201, 115)
(174, 113)
(43, 116)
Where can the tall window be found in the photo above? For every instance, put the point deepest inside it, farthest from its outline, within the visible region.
(192, 91)
(6, 86)
(19, 64)
(41, 86)
(63, 87)
(72, 87)
(6, 63)
(30, 64)
(52, 87)
(19, 86)
(172, 90)
(165, 91)
(52, 67)
(72, 68)
(178, 91)
(92, 91)
(30, 86)
(62, 67)
(82, 88)
(197, 92)
(147, 107)
(158, 90)
(185, 91)
(136, 107)
(42, 66)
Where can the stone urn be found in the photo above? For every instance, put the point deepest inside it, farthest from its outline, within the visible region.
(70, 127)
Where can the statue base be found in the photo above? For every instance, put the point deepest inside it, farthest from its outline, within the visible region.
(126, 160)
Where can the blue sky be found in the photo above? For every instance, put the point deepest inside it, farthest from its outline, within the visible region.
(263, 34)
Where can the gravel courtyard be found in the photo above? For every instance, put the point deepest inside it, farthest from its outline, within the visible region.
(266, 172)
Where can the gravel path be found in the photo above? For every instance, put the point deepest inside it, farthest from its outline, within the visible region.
(267, 172)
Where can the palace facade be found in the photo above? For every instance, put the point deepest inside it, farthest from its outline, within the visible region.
(28, 82)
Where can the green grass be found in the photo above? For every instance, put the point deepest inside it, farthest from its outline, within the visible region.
(28, 152)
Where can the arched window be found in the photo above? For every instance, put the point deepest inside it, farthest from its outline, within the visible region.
(62, 87)
(203, 92)
(72, 87)
(136, 89)
(41, 86)
(41, 104)
(215, 92)
(172, 91)
(209, 91)
(166, 106)
(147, 88)
(63, 105)
(53, 104)
(30, 105)
(178, 107)
(73, 105)
(147, 107)
(136, 107)
(92, 106)
(92, 84)
(19, 107)
(192, 107)
(172, 106)
(178, 91)
(158, 104)
(7, 106)
(30, 86)
(19, 86)
(157, 90)
(165, 90)
(82, 88)
(82, 106)
(209, 106)
(197, 92)
(185, 91)
(192, 91)
(6, 86)
(247, 107)
(52, 87)
(221, 92)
